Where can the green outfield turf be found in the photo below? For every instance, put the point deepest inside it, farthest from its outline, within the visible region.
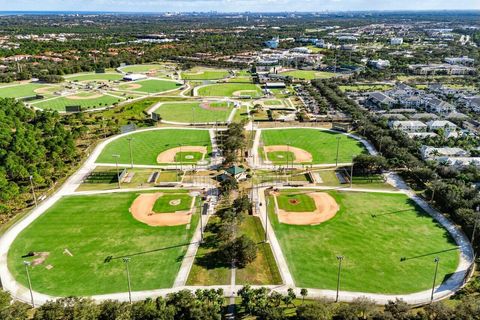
(166, 203)
(321, 144)
(204, 74)
(21, 90)
(279, 157)
(230, 89)
(95, 76)
(60, 103)
(98, 230)
(309, 74)
(188, 157)
(146, 145)
(388, 245)
(151, 86)
(142, 68)
(296, 202)
(195, 112)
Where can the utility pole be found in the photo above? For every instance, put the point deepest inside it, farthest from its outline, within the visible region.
(117, 156)
(340, 259)
(436, 260)
(33, 191)
(131, 153)
(27, 264)
(126, 260)
(338, 147)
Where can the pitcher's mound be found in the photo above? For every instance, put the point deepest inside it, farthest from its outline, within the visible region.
(141, 209)
(168, 156)
(299, 154)
(326, 209)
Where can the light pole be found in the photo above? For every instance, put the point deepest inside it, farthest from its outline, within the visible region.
(340, 259)
(117, 156)
(476, 217)
(131, 153)
(436, 260)
(27, 264)
(351, 173)
(127, 260)
(33, 191)
(266, 221)
(181, 166)
(338, 147)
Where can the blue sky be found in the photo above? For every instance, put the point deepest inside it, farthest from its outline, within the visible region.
(234, 5)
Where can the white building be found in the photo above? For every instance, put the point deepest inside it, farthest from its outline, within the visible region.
(379, 64)
(408, 126)
(396, 41)
(134, 77)
(434, 125)
(432, 153)
(460, 60)
(459, 161)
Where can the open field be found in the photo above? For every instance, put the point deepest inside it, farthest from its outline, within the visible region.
(387, 242)
(195, 112)
(86, 100)
(95, 76)
(84, 239)
(171, 202)
(322, 145)
(142, 68)
(147, 145)
(20, 90)
(296, 202)
(204, 74)
(230, 90)
(309, 74)
(366, 87)
(150, 86)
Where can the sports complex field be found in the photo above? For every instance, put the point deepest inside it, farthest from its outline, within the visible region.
(308, 74)
(387, 248)
(148, 145)
(95, 76)
(230, 90)
(196, 111)
(204, 74)
(80, 242)
(86, 100)
(150, 86)
(315, 146)
(20, 90)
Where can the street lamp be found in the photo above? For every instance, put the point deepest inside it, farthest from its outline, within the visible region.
(131, 154)
(126, 260)
(33, 191)
(338, 147)
(117, 156)
(340, 259)
(436, 260)
(27, 264)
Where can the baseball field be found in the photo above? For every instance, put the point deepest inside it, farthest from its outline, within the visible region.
(309, 74)
(387, 248)
(195, 112)
(308, 146)
(204, 74)
(230, 90)
(150, 86)
(78, 246)
(95, 76)
(148, 146)
(20, 90)
(86, 100)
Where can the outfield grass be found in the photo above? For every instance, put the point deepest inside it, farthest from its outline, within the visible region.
(321, 144)
(188, 157)
(148, 144)
(309, 74)
(162, 205)
(60, 103)
(142, 68)
(21, 90)
(204, 74)
(296, 203)
(228, 89)
(373, 231)
(93, 228)
(192, 112)
(95, 76)
(151, 86)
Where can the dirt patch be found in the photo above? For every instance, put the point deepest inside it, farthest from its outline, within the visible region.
(300, 154)
(45, 90)
(168, 156)
(131, 86)
(142, 210)
(293, 201)
(326, 209)
(40, 258)
(93, 96)
(208, 106)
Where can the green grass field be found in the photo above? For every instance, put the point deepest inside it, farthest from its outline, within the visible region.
(152, 86)
(229, 89)
(21, 90)
(164, 205)
(373, 231)
(60, 103)
(273, 102)
(192, 112)
(296, 203)
(309, 74)
(188, 157)
(204, 74)
(321, 144)
(94, 228)
(95, 76)
(148, 144)
(142, 68)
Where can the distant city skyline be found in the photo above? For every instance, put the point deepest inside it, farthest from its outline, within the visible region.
(235, 5)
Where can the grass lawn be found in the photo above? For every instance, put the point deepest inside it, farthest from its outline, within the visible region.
(230, 89)
(152, 86)
(204, 74)
(189, 157)
(95, 76)
(309, 74)
(321, 144)
(263, 270)
(148, 144)
(273, 102)
(61, 102)
(142, 68)
(21, 90)
(371, 182)
(296, 203)
(164, 203)
(373, 231)
(240, 114)
(192, 112)
(94, 228)
(279, 157)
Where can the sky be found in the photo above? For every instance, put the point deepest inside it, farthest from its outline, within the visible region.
(234, 5)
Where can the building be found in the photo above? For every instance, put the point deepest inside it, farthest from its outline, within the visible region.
(439, 106)
(134, 77)
(273, 43)
(379, 100)
(396, 41)
(460, 60)
(236, 172)
(459, 161)
(434, 125)
(408, 126)
(441, 69)
(275, 85)
(379, 64)
(432, 153)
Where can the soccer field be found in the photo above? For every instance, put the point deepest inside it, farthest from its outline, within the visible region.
(60, 103)
(83, 240)
(322, 145)
(388, 245)
(230, 90)
(195, 112)
(147, 145)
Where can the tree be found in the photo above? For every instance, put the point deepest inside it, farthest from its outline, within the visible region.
(242, 204)
(304, 294)
(245, 249)
(319, 310)
(397, 310)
